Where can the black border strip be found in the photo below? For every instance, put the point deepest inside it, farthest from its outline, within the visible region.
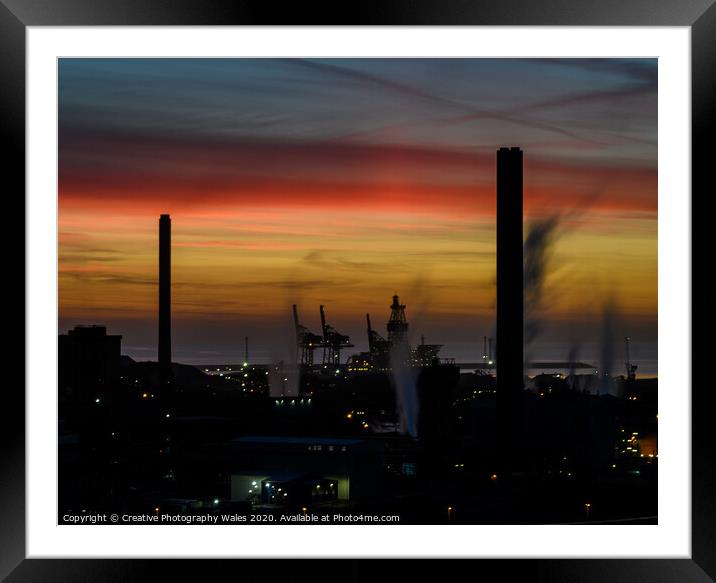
(368, 12)
(15, 15)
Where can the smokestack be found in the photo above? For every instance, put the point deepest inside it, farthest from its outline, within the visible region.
(165, 301)
(510, 304)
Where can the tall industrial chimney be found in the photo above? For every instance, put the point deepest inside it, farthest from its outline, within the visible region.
(510, 304)
(165, 299)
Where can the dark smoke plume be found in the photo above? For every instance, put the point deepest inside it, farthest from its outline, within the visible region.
(541, 237)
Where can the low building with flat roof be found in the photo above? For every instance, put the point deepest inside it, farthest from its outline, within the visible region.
(315, 468)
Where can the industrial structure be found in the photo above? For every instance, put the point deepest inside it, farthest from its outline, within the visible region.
(333, 342)
(397, 324)
(273, 471)
(306, 341)
(383, 354)
(88, 363)
(630, 368)
(378, 348)
(330, 340)
(426, 354)
(510, 302)
(165, 300)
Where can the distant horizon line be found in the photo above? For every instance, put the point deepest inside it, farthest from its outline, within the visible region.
(536, 365)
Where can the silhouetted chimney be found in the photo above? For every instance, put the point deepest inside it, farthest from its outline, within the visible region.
(165, 299)
(510, 303)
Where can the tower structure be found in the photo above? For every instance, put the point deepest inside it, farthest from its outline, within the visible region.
(510, 303)
(165, 300)
(397, 323)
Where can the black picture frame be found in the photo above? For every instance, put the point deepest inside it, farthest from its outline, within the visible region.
(16, 15)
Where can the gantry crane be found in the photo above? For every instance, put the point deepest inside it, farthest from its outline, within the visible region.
(333, 342)
(306, 341)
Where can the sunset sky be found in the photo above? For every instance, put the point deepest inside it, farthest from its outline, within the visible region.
(343, 181)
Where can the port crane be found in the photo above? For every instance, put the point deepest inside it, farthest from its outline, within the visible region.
(333, 342)
(306, 341)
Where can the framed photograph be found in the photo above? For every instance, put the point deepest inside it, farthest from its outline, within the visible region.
(415, 286)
